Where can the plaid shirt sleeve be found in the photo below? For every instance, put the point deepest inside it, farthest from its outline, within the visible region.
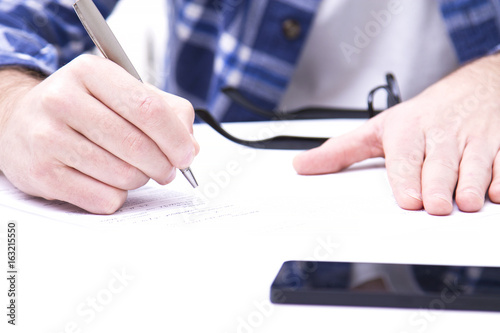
(42, 34)
(251, 45)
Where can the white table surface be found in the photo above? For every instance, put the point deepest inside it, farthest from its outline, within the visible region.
(215, 277)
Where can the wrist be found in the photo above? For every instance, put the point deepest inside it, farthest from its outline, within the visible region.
(14, 83)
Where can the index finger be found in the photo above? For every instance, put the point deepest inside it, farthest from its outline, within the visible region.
(404, 155)
(340, 152)
(154, 114)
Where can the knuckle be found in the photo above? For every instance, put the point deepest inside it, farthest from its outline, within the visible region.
(41, 172)
(110, 202)
(45, 138)
(82, 63)
(482, 160)
(181, 157)
(448, 164)
(185, 107)
(84, 151)
(43, 178)
(55, 98)
(494, 192)
(136, 143)
(169, 173)
(78, 67)
(150, 109)
(163, 172)
(401, 168)
(130, 178)
(82, 67)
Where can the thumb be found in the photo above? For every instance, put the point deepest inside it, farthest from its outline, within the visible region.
(339, 153)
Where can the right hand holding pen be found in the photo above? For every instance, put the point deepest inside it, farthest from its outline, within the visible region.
(90, 132)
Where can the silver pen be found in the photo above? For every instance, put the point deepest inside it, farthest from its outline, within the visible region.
(106, 42)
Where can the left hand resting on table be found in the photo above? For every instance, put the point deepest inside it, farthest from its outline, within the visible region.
(446, 139)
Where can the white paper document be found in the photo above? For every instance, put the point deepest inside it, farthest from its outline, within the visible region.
(245, 188)
(148, 204)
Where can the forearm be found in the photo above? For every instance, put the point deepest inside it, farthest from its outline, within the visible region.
(13, 82)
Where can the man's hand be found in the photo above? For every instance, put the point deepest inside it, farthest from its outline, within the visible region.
(445, 140)
(89, 133)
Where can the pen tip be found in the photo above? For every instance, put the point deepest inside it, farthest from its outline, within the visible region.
(190, 177)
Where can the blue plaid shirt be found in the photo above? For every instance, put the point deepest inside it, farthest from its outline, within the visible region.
(216, 43)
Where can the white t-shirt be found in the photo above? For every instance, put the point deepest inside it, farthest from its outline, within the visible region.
(365, 39)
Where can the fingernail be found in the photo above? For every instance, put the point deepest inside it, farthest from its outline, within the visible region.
(471, 191)
(414, 194)
(171, 176)
(442, 197)
(188, 159)
(195, 143)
